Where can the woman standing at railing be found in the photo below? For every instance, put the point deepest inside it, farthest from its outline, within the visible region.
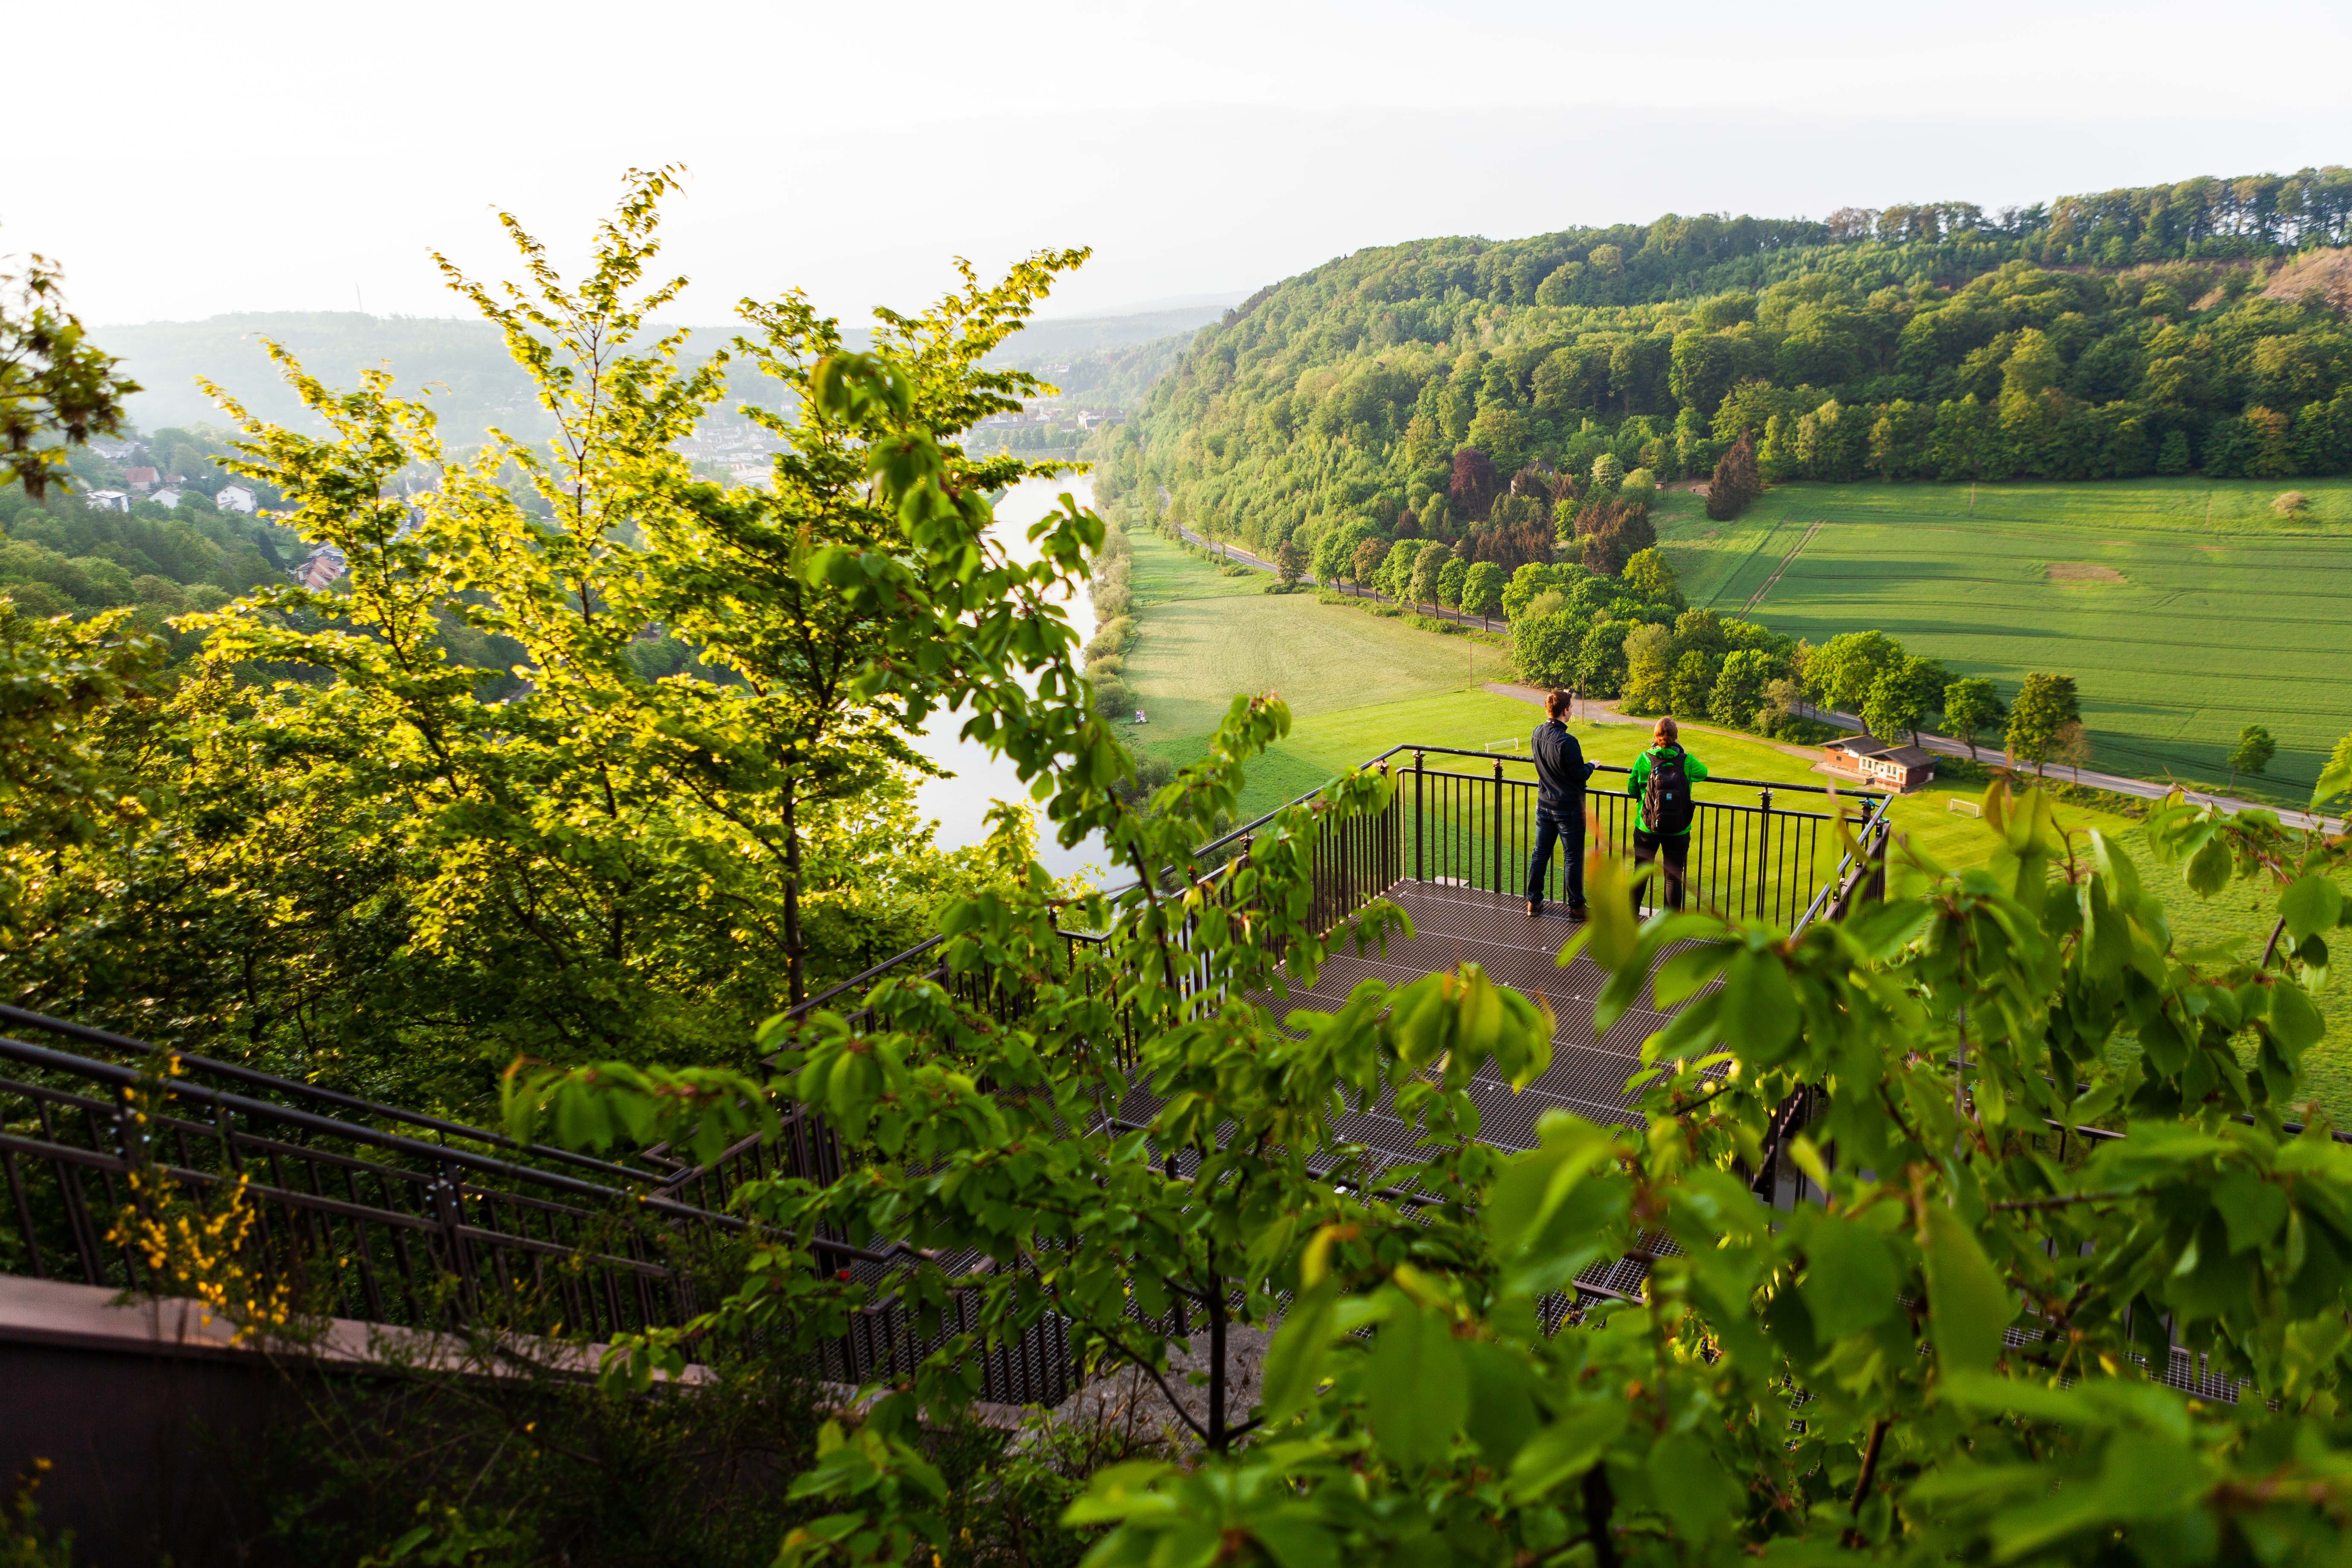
(1661, 781)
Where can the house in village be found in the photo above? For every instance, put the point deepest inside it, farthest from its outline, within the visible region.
(107, 501)
(1879, 764)
(235, 498)
(142, 478)
(168, 496)
(322, 566)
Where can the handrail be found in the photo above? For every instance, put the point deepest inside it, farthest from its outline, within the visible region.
(312, 1122)
(1402, 747)
(1603, 767)
(83, 1032)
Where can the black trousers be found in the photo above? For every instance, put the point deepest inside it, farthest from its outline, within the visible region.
(1674, 850)
(1569, 833)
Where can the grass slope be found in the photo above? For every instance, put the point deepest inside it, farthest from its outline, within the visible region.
(1359, 684)
(2186, 608)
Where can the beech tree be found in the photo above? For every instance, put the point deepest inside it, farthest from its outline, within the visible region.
(2253, 753)
(57, 390)
(1970, 707)
(2046, 705)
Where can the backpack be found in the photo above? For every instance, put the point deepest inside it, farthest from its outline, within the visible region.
(1666, 794)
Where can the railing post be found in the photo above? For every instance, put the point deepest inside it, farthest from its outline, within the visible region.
(1498, 825)
(450, 1201)
(1763, 853)
(1420, 824)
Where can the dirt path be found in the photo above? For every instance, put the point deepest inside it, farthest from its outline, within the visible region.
(1773, 581)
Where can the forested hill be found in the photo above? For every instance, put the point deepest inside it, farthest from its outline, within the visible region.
(2192, 326)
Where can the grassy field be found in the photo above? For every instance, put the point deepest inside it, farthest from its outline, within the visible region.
(1358, 684)
(2185, 608)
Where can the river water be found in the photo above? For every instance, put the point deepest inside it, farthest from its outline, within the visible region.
(959, 804)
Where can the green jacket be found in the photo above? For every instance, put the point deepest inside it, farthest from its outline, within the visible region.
(1694, 769)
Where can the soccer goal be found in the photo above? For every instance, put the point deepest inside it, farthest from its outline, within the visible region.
(1510, 745)
(1965, 808)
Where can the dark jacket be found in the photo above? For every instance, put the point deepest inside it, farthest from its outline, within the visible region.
(1561, 771)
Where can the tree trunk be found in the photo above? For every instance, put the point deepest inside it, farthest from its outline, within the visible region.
(792, 943)
(1217, 1367)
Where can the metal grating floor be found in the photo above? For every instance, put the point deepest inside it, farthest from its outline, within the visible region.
(1453, 926)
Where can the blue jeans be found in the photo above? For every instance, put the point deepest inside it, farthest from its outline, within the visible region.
(1551, 830)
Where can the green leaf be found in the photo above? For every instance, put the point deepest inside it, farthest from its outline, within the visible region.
(2337, 777)
(1850, 1278)
(2293, 1020)
(2208, 872)
(2251, 1208)
(1116, 1493)
(1419, 1392)
(1502, 1405)
(1691, 1486)
(1296, 1537)
(1566, 1448)
(1293, 1361)
(1758, 1014)
(2311, 904)
(1968, 1306)
(1612, 935)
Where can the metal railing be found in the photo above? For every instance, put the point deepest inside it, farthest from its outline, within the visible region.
(356, 1209)
(389, 1215)
(1761, 858)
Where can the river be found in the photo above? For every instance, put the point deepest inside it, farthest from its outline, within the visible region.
(960, 804)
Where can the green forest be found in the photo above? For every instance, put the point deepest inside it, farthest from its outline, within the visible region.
(2194, 328)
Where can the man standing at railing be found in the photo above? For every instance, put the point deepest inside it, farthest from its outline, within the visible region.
(1560, 773)
(1663, 809)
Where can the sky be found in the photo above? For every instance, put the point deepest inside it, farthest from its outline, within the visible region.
(210, 158)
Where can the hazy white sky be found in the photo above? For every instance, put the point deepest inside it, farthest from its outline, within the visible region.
(247, 155)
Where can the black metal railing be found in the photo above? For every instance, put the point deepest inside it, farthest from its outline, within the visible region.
(345, 1206)
(393, 1216)
(1758, 857)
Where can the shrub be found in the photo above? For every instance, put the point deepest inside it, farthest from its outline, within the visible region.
(1113, 698)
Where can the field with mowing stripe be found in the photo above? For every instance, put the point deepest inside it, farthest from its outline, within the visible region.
(1358, 684)
(2185, 608)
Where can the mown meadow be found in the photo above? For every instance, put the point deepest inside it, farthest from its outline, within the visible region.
(2185, 608)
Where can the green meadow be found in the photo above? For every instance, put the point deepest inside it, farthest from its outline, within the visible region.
(1358, 684)
(2184, 608)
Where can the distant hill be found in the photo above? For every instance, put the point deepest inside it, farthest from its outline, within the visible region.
(1094, 355)
(2196, 327)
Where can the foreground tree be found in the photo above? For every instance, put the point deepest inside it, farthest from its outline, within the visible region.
(1950, 1357)
(573, 760)
(57, 390)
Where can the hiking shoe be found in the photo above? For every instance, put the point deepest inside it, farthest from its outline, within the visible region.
(1576, 911)
(1535, 908)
